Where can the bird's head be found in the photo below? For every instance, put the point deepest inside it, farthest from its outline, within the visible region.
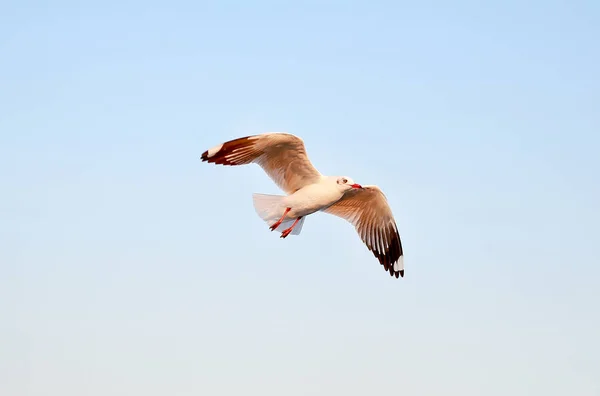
(345, 183)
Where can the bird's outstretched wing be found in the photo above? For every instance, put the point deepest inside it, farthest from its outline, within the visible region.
(368, 210)
(281, 155)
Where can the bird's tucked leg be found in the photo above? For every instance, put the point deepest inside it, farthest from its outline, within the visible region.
(287, 231)
(278, 222)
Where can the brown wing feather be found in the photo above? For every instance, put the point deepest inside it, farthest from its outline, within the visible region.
(367, 209)
(281, 155)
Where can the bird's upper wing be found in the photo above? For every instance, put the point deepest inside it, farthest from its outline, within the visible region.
(281, 155)
(368, 210)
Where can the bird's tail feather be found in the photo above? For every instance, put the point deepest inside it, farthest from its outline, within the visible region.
(270, 208)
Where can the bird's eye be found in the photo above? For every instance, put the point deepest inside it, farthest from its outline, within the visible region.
(344, 180)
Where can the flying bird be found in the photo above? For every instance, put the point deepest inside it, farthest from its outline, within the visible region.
(283, 157)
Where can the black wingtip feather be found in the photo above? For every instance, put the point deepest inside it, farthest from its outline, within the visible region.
(204, 156)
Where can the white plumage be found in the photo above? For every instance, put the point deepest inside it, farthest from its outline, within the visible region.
(283, 157)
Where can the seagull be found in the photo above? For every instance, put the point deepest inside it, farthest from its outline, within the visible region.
(283, 158)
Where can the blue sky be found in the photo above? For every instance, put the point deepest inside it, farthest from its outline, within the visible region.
(127, 266)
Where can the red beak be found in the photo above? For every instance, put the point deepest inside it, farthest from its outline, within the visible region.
(356, 186)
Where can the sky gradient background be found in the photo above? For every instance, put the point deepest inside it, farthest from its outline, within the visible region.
(127, 266)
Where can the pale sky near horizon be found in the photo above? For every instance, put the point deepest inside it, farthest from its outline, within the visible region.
(127, 266)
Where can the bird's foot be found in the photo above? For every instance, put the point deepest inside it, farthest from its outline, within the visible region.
(278, 222)
(286, 232)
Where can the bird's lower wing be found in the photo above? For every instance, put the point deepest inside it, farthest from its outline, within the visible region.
(367, 209)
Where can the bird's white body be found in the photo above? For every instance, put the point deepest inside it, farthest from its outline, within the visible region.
(306, 201)
(283, 157)
(312, 198)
